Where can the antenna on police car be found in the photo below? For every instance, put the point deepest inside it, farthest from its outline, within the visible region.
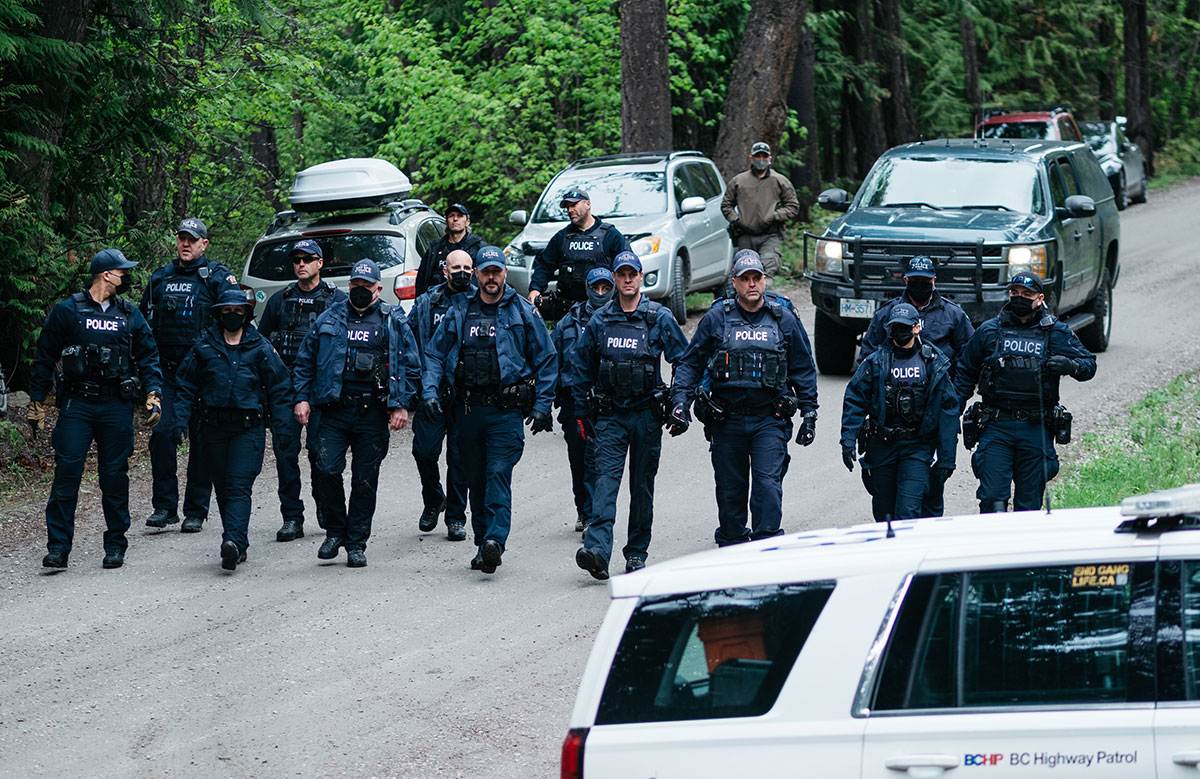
(890, 533)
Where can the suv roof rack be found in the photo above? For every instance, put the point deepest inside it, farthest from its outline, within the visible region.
(1161, 511)
(670, 155)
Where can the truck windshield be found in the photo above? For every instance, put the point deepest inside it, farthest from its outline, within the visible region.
(613, 194)
(923, 182)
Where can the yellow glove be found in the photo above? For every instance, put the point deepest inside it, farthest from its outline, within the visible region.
(153, 410)
(36, 416)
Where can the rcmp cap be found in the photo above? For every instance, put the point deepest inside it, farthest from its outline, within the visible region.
(193, 227)
(307, 246)
(748, 261)
(920, 266)
(574, 196)
(1029, 280)
(365, 269)
(231, 297)
(599, 274)
(110, 259)
(489, 256)
(627, 260)
(903, 313)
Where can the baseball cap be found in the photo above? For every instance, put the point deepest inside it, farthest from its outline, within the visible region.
(488, 256)
(460, 208)
(307, 246)
(231, 297)
(193, 227)
(574, 196)
(599, 274)
(920, 266)
(760, 148)
(903, 313)
(110, 259)
(627, 260)
(749, 261)
(365, 269)
(1026, 280)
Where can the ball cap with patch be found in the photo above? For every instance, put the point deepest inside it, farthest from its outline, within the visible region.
(760, 148)
(488, 257)
(1027, 280)
(749, 261)
(903, 314)
(920, 267)
(307, 246)
(599, 274)
(193, 227)
(574, 196)
(110, 259)
(365, 269)
(627, 260)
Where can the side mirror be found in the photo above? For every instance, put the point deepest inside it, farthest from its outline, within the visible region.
(1078, 206)
(692, 205)
(834, 200)
(518, 217)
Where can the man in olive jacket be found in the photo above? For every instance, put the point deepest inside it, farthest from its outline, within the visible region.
(757, 203)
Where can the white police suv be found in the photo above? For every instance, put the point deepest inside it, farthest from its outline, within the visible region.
(1010, 645)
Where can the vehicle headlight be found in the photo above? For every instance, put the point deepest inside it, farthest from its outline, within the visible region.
(1026, 259)
(647, 245)
(513, 256)
(829, 257)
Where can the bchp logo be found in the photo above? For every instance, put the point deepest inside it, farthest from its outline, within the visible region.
(993, 759)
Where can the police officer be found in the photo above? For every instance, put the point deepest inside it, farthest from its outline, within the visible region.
(458, 237)
(584, 244)
(176, 303)
(358, 367)
(901, 405)
(762, 372)
(427, 314)
(566, 337)
(620, 394)
(232, 383)
(504, 367)
(1017, 359)
(288, 316)
(109, 365)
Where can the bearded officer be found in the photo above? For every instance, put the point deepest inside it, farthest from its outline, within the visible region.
(901, 405)
(109, 365)
(1017, 359)
(287, 317)
(584, 244)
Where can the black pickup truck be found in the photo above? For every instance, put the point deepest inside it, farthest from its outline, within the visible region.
(983, 210)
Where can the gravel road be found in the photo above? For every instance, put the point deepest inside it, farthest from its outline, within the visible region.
(416, 666)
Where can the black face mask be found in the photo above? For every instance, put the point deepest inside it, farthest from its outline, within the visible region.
(1020, 307)
(123, 284)
(232, 321)
(460, 280)
(901, 334)
(920, 290)
(361, 297)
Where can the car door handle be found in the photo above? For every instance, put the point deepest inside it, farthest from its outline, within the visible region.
(1091, 229)
(1191, 759)
(922, 765)
(1078, 236)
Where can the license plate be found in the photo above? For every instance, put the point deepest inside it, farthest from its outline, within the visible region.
(856, 308)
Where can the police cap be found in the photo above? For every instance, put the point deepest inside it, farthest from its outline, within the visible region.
(760, 148)
(110, 259)
(460, 208)
(920, 266)
(193, 227)
(749, 260)
(599, 274)
(488, 257)
(365, 269)
(903, 314)
(231, 297)
(627, 260)
(307, 246)
(1028, 280)
(574, 196)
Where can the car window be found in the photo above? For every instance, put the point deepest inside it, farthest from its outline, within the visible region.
(270, 261)
(709, 655)
(1028, 636)
(941, 182)
(1068, 175)
(614, 193)
(711, 178)
(682, 183)
(1057, 194)
(429, 231)
(1191, 629)
(1035, 131)
(1099, 137)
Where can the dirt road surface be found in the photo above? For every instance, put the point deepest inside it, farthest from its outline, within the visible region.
(417, 666)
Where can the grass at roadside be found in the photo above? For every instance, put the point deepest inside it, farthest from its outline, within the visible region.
(1157, 447)
(1177, 161)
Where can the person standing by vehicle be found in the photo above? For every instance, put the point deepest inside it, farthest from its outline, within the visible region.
(358, 367)
(901, 404)
(621, 396)
(761, 370)
(175, 303)
(458, 237)
(109, 365)
(573, 251)
(1017, 359)
(757, 204)
(566, 337)
(504, 368)
(232, 383)
(287, 318)
(427, 314)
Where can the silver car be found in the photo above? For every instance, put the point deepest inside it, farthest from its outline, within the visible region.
(668, 204)
(1121, 160)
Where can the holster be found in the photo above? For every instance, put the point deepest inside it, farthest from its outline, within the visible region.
(1060, 420)
(599, 404)
(706, 409)
(786, 407)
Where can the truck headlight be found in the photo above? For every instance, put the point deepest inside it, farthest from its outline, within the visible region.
(513, 256)
(647, 245)
(829, 257)
(1026, 259)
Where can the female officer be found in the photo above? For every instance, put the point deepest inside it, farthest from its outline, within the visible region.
(234, 382)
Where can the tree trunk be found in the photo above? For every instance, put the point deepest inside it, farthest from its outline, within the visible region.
(900, 125)
(645, 91)
(1106, 78)
(866, 116)
(970, 55)
(265, 152)
(756, 105)
(806, 177)
(1140, 126)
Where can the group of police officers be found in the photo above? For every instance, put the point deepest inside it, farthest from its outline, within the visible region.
(474, 361)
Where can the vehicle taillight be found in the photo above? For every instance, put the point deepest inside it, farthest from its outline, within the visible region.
(406, 286)
(572, 753)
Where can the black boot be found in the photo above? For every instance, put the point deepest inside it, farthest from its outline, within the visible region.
(113, 558)
(192, 525)
(329, 549)
(161, 518)
(229, 555)
(456, 530)
(55, 560)
(429, 517)
(291, 530)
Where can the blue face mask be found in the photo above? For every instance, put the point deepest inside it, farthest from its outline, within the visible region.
(597, 299)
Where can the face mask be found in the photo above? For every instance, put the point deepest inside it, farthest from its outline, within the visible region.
(361, 297)
(123, 284)
(1020, 307)
(920, 290)
(901, 334)
(760, 165)
(597, 299)
(232, 321)
(460, 280)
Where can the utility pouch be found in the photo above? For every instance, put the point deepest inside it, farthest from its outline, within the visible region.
(74, 364)
(786, 407)
(974, 421)
(129, 389)
(867, 433)
(707, 410)
(660, 405)
(1062, 425)
(364, 362)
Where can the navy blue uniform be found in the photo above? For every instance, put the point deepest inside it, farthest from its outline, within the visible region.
(107, 346)
(286, 319)
(502, 364)
(231, 392)
(571, 253)
(908, 397)
(176, 302)
(754, 360)
(427, 314)
(580, 455)
(617, 364)
(1007, 359)
(354, 368)
(429, 274)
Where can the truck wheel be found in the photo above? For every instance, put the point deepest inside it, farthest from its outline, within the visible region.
(677, 297)
(1143, 193)
(1095, 335)
(834, 346)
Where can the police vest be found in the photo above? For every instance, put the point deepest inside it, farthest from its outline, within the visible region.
(439, 304)
(1015, 373)
(478, 361)
(580, 253)
(751, 356)
(103, 348)
(628, 364)
(906, 387)
(179, 313)
(299, 312)
(366, 351)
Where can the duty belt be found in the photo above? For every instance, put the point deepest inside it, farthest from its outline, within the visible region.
(90, 390)
(507, 398)
(359, 400)
(767, 410)
(232, 417)
(1019, 414)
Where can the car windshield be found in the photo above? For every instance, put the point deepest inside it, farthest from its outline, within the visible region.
(938, 183)
(270, 261)
(1033, 131)
(1099, 136)
(613, 193)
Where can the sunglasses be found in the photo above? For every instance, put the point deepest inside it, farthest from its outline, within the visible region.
(304, 260)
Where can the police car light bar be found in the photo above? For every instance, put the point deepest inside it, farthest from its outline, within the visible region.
(1181, 504)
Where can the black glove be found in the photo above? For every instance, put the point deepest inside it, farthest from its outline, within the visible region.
(808, 428)
(1061, 365)
(942, 474)
(432, 410)
(540, 422)
(178, 435)
(679, 421)
(848, 457)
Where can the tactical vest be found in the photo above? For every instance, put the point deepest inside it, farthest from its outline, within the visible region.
(366, 352)
(751, 356)
(1015, 373)
(478, 361)
(580, 253)
(299, 312)
(906, 387)
(103, 352)
(439, 304)
(179, 312)
(628, 364)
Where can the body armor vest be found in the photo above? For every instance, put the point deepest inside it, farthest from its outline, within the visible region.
(366, 352)
(1015, 373)
(628, 364)
(751, 356)
(299, 312)
(478, 362)
(102, 353)
(906, 388)
(580, 253)
(179, 312)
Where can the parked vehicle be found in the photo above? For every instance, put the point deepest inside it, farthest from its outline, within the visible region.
(353, 208)
(984, 211)
(1062, 643)
(668, 204)
(1121, 161)
(1045, 123)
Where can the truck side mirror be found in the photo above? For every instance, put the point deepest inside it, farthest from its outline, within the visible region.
(1077, 206)
(834, 200)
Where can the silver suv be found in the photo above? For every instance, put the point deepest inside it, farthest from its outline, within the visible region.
(352, 208)
(668, 204)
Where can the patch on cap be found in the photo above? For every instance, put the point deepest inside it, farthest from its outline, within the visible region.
(921, 266)
(627, 260)
(599, 274)
(487, 257)
(193, 227)
(307, 246)
(365, 269)
(749, 261)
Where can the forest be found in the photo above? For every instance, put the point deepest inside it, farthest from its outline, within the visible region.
(120, 117)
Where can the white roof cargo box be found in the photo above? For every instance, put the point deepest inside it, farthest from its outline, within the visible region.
(352, 183)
